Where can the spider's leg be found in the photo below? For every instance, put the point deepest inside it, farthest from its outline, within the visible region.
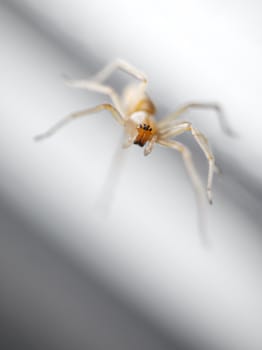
(203, 144)
(121, 65)
(195, 105)
(96, 87)
(175, 130)
(94, 83)
(190, 167)
(106, 106)
(187, 158)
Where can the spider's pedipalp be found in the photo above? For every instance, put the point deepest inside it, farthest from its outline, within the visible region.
(105, 106)
(149, 146)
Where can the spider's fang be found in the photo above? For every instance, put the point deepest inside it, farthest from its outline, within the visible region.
(139, 143)
(144, 134)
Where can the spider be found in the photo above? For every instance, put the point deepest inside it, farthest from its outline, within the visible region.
(135, 112)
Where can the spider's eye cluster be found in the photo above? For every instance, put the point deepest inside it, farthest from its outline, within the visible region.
(145, 127)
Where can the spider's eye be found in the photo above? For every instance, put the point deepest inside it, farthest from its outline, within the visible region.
(145, 127)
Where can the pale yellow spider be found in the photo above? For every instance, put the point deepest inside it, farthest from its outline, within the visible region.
(135, 111)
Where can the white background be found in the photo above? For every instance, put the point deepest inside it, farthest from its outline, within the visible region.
(148, 248)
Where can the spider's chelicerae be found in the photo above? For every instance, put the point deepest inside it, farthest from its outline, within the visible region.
(135, 111)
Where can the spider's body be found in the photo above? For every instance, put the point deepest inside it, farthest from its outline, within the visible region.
(139, 111)
(135, 111)
(141, 122)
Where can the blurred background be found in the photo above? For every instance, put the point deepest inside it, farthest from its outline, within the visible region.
(73, 276)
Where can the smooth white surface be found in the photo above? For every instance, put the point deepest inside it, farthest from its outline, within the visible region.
(148, 248)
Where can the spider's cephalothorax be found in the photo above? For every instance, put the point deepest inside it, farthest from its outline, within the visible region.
(141, 129)
(140, 111)
(142, 117)
(135, 111)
